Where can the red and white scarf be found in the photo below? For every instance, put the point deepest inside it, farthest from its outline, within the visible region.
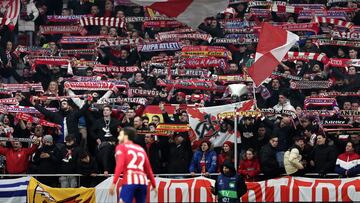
(310, 27)
(306, 56)
(77, 52)
(286, 9)
(29, 118)
(23, 87)
(79, 39)
(194, 36)
(64, 19)
(135, 100)
(162, 24)
(333, 21)
(102, 21)
(62, 29)
(209, 51)
(319, 102)
(191, 84)
(100, 68)
(23, 109)
(328, 42)
(101, 85)
(311, 84)
(204, 62)
(343, 63)
(142, 92)
(9, 101)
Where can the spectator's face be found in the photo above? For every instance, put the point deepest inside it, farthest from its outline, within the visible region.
(226, 148)
(155, 120)
(145, 122)
(308, 44)
(6, 120)
(103, 30)
(304, 122)
(179, 139)
(249, 155)
(285, 122)
(347, 106)
(300, 143)
(138, 77)
(38, 131)
(94, 10)
(274, 142)
(53, 86)
(9, 46)
(349, 147)
(136, 9)
(261, 131)
(89, 73)
(28, 125)
(152, 128)
(226, 170)
(65, 105)
(353, 54)
(320, 140)
(282, 99)
(354, 138)
(275, 84)
(148, 139)
(298, 65)
(106, 112)
(137, 122)
(179, 98)
(242, 48)
(213, 24)
(120, 14)
(352, 70)
(233, 67)
(121, 136)
(130, 113)
(70, 143)
(16, 145)
(184, 117)
(316, 68)
(355, 106)
(124, 54)
(65, 12)
(341, 52)
(108, 5)
(204, 147)
(113, 32)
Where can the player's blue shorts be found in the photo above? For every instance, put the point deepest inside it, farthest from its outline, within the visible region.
(137, 191)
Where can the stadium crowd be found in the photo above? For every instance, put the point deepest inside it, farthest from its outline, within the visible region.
(79, 83)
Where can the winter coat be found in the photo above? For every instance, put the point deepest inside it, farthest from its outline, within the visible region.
(287, 106)
(29, 25)
(210, 161)
(17, 161)
(349, 162)
(87, 168)
(292, 159)
(249, 168)
(179, 158)
(48, 165)
(268, 163)
(324, 157)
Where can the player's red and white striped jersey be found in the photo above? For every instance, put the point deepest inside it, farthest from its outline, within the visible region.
(133, 163)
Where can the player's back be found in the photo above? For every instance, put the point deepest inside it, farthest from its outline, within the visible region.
(135, 164)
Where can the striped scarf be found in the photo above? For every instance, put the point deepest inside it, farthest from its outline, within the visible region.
(102, 21)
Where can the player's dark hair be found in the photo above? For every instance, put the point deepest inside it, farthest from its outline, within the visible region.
(130, 132)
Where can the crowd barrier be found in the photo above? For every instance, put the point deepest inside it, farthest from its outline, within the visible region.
(284, 189)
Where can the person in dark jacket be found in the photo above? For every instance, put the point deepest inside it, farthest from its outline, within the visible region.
(323, 157)
(179, 155)
(70, 153)
(66, 117)
(47, 160)
(153, 150)
(284, 132)
(268, 163)
(87, 166)
(229, 187)
(105, 131)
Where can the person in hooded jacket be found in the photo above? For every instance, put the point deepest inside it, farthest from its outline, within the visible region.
(348, 163)
(229, 186)
(47, 160)
(204, 160)
(87, 166)
(293, 161)
(268, 163)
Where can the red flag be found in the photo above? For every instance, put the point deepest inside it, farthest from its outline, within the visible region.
(273, 45)
(190, 12)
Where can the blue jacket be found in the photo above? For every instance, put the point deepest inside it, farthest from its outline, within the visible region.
(210, 159)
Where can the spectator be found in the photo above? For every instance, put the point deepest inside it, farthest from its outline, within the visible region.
(204, 160)
(323, 156)
(268, 163)
(28, 15)
(249, 166)
(70, 154)
(293, 161)
(154, 152)
(87, 166)
(347, 163)
(17, 158)
(179, 155)
(227, 153)
(47, 160)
